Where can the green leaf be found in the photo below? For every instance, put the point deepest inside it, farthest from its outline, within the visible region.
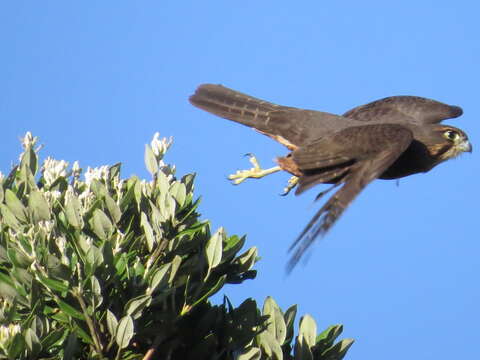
(159, 279)
(338, 351)
(253, 353)
(113, 209)
(73, 211)
(15, 206)
(18, 258)
(32, 343)
(7, 287)
(269, 345)
(308, 329)
(70, 347)
(16, 346)
(276, 324)
(289, 322)
(218, 285)
(38, 206)
(53, 338)
(148, 231)
(70, 310)
(214, 248)
(328, 336)
(162, 182)
(93, 259)
(112, 323)
(52, 284)
(247, 259)
(9, 218)
(179, 192)
(2, 192)
(96, 292)
(29, 159)
(124, 332)
(150, 160)
(134, 307)
(101, 225)
(188, 181)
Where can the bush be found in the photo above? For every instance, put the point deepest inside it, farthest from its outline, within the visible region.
(106, 268)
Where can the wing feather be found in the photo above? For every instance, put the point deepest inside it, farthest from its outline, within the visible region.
(390, 142)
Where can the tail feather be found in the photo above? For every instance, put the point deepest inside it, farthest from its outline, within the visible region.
(233, 105)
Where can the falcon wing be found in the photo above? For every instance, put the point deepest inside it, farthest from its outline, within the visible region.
(290, 126)
(352, 157)
(412, 109)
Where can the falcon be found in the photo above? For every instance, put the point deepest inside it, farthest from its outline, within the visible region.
(388, 138)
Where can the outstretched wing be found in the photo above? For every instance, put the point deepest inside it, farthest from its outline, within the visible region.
(403, 109)
(290, 126)
(352, 157)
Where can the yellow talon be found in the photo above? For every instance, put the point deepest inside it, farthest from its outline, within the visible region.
(256, 172)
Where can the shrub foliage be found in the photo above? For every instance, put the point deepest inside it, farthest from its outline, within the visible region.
(111, 268)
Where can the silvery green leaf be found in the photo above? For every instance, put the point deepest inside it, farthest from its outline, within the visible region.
(15, 205)
(73, 211)
(2, 192)
(188, 181)
(113, 209)
(269, 345)
(179, 192)
(38, 206)
(150, 160)
(176, 262)
(147, 230)
(253, 353)
(308, 329)
(93, 259)
(339, 350)
(289, 321)
(134, 307)
(9, 218)
(32, 342)
(276, 323)
(159, 277)
(162, 181)
(96, 292)
(247, 259)
(214, 248)
(124, 332)
(328, 336)
(101, 225)
(7, 287)
(112, 323)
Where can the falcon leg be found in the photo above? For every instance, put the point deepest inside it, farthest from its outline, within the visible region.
(255, 172)
(292, 182)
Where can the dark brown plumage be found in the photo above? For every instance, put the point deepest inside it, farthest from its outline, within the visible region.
(387, 139)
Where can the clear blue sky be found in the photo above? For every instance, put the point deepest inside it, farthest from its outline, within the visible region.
(94, 80)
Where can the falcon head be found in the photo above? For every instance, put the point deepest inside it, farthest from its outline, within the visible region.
(450, 142)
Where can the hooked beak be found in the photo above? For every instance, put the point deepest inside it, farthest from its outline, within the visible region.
(466, 146)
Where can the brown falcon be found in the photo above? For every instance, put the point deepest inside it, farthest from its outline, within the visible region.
(387, 139)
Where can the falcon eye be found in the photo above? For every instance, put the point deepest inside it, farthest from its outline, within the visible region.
(451, 135)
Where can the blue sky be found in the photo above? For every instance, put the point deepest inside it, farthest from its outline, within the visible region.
(96, 80)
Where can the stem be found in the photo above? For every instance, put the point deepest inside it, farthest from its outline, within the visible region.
(88, 319)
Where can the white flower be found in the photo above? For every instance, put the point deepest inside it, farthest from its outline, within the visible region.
(96, 174)
(28, 141)
(160, 146)
(7, 333)
(53, 169)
